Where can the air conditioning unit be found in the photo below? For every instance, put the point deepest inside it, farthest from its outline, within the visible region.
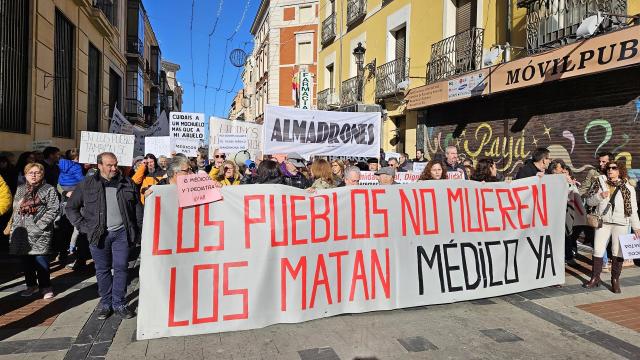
(333, 99)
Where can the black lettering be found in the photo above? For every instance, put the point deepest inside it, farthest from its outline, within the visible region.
(584, 58)
(515, 261)
(542, 71)
(345, 133)
(463, 247)
(537, 253)
(488, 246)
(484, 268)
(449, 268)
(277, 132)
(430, 262)
(372, 137)
(299, 130)
(548, 254)
(323, 132)
(601, 60)
(531, 72)
(624, 48)
(311, 133)
(285, 131)
(334, 130)
(513, 77)
(565, 65)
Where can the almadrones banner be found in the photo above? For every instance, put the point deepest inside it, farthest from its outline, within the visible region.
(316, 132)
(270, 254)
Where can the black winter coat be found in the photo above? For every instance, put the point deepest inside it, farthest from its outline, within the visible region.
(87, 208)
(528, 170)
(297, 181)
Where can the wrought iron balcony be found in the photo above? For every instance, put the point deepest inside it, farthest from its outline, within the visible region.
(356, 10)
(109, 9)
(349, 91)
(455, 55)
(329, 29)
(323, 99)
(391, 76)
(553, 23)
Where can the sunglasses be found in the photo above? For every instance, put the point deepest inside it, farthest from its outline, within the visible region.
(612, 168)
(220, 156)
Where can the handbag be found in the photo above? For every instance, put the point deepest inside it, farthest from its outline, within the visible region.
(595, 220)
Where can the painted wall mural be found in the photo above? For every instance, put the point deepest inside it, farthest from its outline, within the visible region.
(575, 137)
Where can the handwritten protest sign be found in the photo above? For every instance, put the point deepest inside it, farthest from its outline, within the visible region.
(187, 126)
(630, 246)
(232, 143)
(188, 147)
(39, 145)
(271, 254)
(120, 124)
(94, 143)
(196, 189)
(418, 167)
(223, 126)
(158, 145)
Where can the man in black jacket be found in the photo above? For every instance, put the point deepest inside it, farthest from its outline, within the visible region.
(291, 174)
(538, 163)
(107, 208)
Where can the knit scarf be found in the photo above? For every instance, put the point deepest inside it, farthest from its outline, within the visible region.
(31, 201)
(626, 194)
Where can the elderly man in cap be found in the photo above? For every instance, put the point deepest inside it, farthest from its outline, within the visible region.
(386, 175)
(290, 170)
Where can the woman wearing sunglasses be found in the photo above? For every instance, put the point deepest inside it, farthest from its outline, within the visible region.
(615, 201)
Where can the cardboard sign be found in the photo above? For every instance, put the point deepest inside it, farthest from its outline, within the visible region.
(418, 167)
(271, 254)
(158, 145)
(188, 147)
(196, 189)
(120, 124)
(94, 143)
(187, 126)
(232, 143)
(630, 246)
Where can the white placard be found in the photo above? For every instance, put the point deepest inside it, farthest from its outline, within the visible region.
(389, 155)
(316, 132)
(418, 167)
(232, 143)
(94, 143)
(269, 254)
(158, 145)
(39, 145)
(223, 126)
(188, 147)
(187, 126)
(630, 246)
(120, 124)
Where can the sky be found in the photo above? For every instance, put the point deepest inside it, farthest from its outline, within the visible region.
(176, 30)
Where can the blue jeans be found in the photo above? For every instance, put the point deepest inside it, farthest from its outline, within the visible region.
(36, 264)
(112, 252)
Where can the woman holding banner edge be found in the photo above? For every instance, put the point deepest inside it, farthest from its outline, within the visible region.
(615, 199)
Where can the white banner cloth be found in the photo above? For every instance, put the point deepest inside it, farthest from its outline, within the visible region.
(316, 132)
(271, 254)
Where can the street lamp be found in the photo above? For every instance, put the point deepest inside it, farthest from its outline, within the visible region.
(358, 53)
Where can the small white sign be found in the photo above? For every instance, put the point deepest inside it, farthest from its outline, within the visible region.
(158, 145)
(418, 167)
(232, 143)
(188, 147)
(94, 143)
(39, 145)
(630, 246)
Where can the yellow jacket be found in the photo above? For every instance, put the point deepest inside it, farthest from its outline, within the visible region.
(226, 182)
(138, 177)
(213, 174)
(148, 182)
(5, 197)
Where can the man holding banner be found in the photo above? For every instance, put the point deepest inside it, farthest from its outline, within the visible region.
(107, 208)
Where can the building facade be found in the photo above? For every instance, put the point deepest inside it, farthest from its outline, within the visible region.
(575, 95)
(285, 42)
(61, 69)
(237, 107)
(173, 89)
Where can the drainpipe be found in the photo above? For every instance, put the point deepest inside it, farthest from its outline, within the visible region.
(507, 51)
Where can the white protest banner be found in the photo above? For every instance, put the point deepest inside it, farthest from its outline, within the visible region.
(370, 177)
(270, 254)
(232, 143)
(120, 124)
(39, 145)
(223, 126)
(187, 126)
(630, 246)
(188, 147)
(316, 132)
(94, 143)
(161, 126)
(158, 145)
(418, 167)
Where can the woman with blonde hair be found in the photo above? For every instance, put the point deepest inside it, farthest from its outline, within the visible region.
(35, 207)
(229, 174)
(337, 166)
(322, 175)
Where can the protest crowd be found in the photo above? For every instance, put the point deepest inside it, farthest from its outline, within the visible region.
(54, 207)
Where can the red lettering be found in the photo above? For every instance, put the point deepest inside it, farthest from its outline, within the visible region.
(383, 212)
(451, 197)
(156, 230)
(285, 222)
(470, 227)
(172, 302)
(248, 220)
(219, 224)
(336, 234)
(196, 230)
(425, 227)
(285, 266)
(521, 206)
(354, 211)
(542, 212)
(338, 255)
(321, 269)
(214, 303)
(294, 220)
(407, 208)
(227, 292)
(359, 274)
(324, 217)
(486, 210)
(504, 211)
(375, 267)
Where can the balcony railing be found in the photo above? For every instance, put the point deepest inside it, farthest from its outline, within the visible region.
(329, 29)
(323, 99)
(552, 23)
(349, 91)
(455, 55)
(356, 10)
(391, 76)
(109, 9)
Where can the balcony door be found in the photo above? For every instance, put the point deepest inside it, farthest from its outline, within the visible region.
(465, 38)
(401, 53)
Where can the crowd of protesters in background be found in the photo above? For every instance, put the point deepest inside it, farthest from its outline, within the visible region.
(61, 207)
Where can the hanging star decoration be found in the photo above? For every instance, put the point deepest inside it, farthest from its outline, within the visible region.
(547, 131)
(458, 142)
(534, 141)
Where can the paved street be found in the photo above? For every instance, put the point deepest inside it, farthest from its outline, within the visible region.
(550, 323)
